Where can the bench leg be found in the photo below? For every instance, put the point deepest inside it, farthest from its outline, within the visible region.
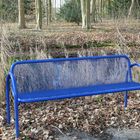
(125, 99)
(16, 118)
(7, 100)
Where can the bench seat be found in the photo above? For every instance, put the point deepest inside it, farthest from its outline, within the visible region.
(77, 92)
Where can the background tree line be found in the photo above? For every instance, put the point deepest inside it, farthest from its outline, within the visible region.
(85, 11)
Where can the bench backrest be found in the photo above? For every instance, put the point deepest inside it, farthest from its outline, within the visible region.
(35, 75)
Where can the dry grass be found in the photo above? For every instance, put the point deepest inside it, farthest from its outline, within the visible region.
(66, 39)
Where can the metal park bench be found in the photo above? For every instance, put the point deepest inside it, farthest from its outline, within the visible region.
(53, 79)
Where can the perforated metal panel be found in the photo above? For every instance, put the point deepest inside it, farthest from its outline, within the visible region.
(71, 73)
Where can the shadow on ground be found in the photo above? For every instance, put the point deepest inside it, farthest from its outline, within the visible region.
(110, 134)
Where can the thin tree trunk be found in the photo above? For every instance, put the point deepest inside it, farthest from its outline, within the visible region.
(55, 9)
(60, 4)
(131, 7)
(46, 10)
(1, 14)
(101, 9)
(93, 10)
(21, 14)
(88, 25)
(50, 10)
(38, 14)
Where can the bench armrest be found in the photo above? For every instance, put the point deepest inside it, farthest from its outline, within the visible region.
(13, 84)
(134, 64)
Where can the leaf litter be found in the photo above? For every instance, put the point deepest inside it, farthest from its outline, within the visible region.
(91, 115)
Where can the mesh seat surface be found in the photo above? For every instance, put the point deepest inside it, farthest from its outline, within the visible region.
(77, 92)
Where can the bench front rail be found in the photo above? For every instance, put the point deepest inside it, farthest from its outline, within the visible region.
(53, 79)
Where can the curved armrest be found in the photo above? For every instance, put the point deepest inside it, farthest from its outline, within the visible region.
(135, 64)
(13, 83)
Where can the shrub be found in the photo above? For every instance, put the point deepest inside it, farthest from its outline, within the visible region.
(71, 11)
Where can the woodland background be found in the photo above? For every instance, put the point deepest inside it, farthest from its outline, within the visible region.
(40, 29)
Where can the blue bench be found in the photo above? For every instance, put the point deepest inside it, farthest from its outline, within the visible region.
(53, 79)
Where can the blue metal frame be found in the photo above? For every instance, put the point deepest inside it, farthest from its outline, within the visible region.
(11, 77)
(135, 64)
(8, 99)
(68, 59)
(126, 93)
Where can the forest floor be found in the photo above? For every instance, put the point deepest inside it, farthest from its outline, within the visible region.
(66, 39)
(86, 118)
(100, 117)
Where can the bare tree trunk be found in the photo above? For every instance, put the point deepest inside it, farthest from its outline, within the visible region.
(93, 10)
(101, 9)
(109, 10)
(130, 9)
(1, 14)
(46, 10)
(55, 9)
(50, 10)
(21, 14)
(60, 4)
(85, 9)
(88, 14)
(38, 14)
